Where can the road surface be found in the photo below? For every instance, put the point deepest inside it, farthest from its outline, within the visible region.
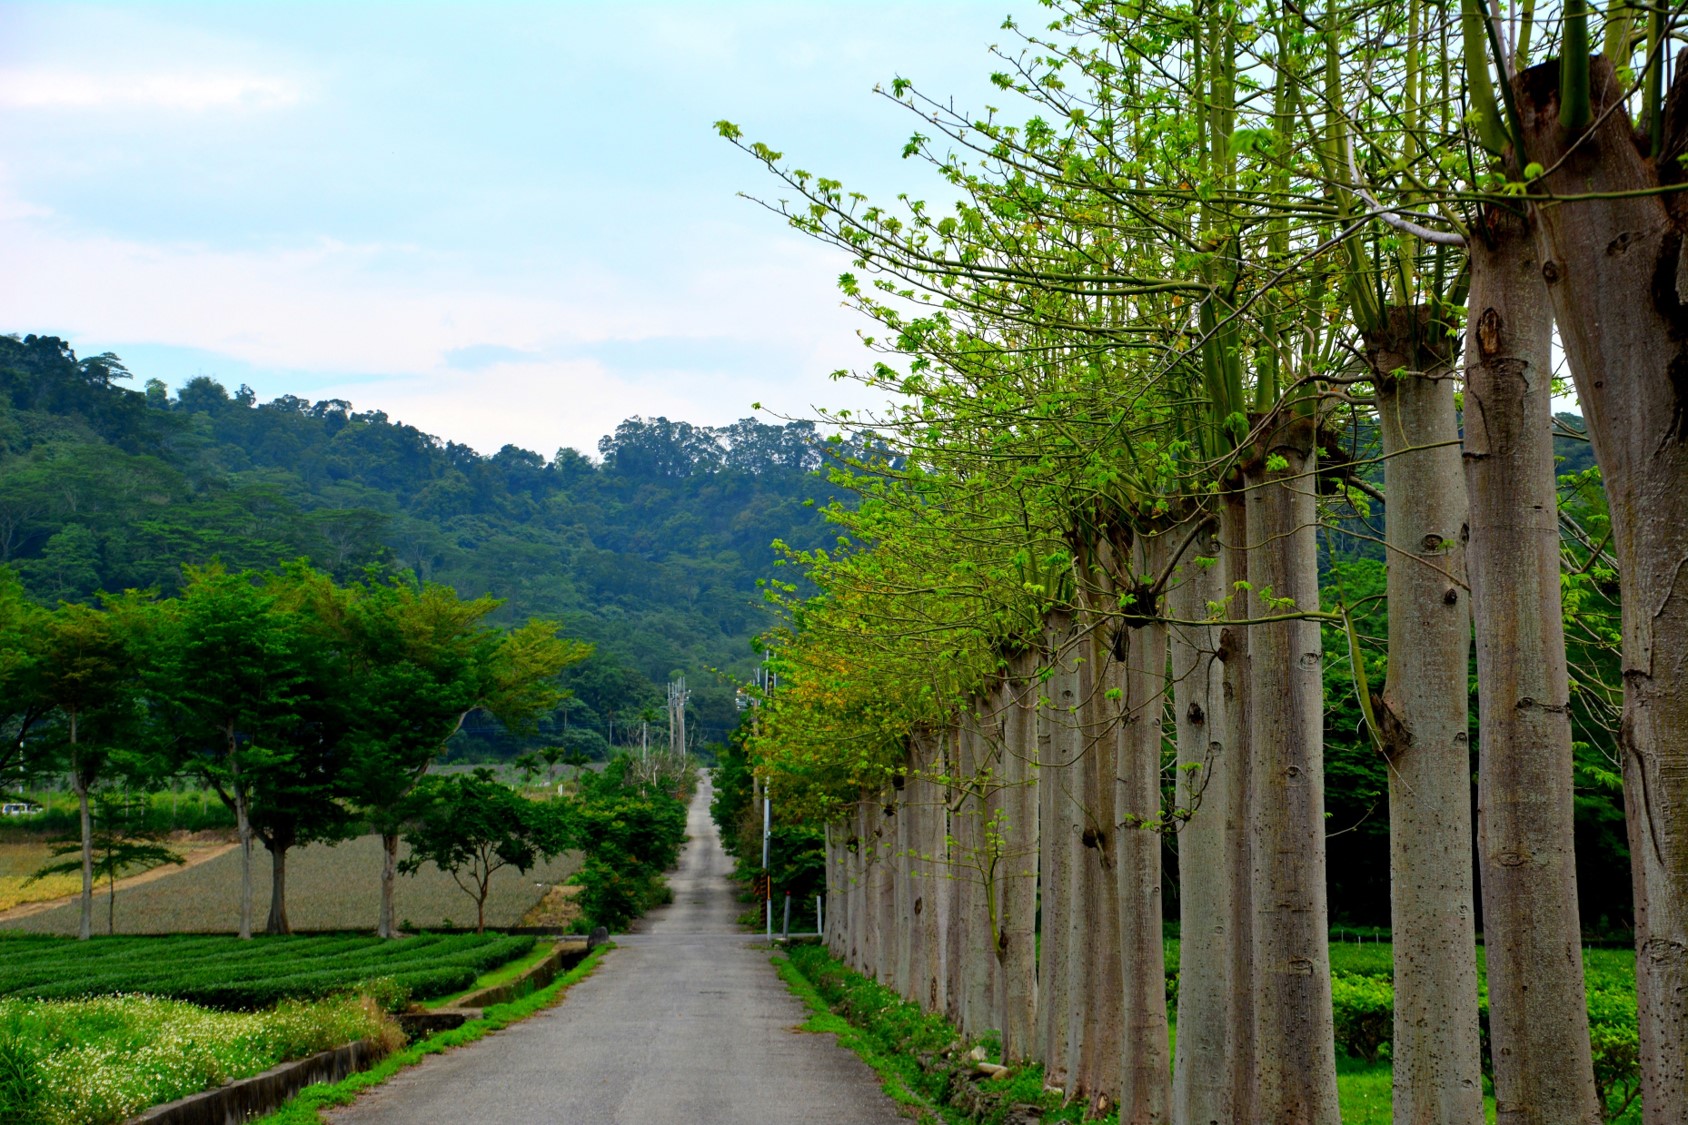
(685, 1023)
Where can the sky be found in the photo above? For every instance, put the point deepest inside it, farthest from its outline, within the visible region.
(499, 223)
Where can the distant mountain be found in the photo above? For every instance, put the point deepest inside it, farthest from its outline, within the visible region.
(653, 552)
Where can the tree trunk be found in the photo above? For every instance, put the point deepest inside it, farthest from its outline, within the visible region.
(1236, 679)
(902, 888)
(243, 830)
(978, 948)
(1017, 940)
(1538, 1019)
(1097, 985)
(1618, 289)
(386, 927)
(1295, 1050)
(885, 887)
(1058, 754)
(1203, 1066)
(1423, 716)
(927, 969)
(957, 935)
(1140, 646)
(85, 927)
(278, 923)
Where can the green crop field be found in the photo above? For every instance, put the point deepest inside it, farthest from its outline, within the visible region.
(224, 972)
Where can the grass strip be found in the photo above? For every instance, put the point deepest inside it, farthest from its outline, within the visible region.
(305, 1108)
(894, 1070)
(494, 977)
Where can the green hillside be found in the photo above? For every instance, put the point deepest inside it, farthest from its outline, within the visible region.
(652, 551)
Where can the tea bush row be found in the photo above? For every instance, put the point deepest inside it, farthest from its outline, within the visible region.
(227, 973)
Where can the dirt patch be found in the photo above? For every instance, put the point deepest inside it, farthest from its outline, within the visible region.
(62, 890)
(556, 910)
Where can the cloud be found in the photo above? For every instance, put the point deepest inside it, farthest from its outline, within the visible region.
(541, 360)
(45, 88)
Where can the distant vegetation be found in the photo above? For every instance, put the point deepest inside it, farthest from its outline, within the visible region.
(651, 552)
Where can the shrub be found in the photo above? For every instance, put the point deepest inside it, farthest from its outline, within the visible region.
(1364, 1011)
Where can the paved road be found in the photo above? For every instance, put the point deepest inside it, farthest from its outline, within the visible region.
(685, 1023)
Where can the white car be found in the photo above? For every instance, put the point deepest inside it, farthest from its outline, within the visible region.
(19, 808)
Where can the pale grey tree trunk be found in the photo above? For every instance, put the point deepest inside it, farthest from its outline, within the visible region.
(834, 901)
(1140, 648)
(1294, 1038)
(1236, 676)
(1017, 944)
(856, 864)
(979, 970)
(958, 933)
(1058, 759)
(1538, 1020)
(929, 902)
(902, 891)
(1203, 1067)
(885, 887)
(1620, 293)
(1097, 987)
(1422, 714)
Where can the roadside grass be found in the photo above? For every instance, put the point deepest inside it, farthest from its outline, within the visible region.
(893, 1037)
(307, 1106)
(98, 1062)
(901, 1076)
(503, 974)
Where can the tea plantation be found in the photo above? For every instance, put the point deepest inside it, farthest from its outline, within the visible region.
(224, 972)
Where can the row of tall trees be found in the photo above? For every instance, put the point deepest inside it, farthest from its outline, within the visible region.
(312, 708)
(1124, 367)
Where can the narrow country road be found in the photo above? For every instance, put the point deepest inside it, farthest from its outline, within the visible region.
(685, 1023)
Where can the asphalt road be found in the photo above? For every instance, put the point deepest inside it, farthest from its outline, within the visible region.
(685, 1023)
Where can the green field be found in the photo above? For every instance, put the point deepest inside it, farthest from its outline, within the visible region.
(98, 1062)
(224, 972)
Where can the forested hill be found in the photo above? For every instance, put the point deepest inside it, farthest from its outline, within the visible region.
(652, 553)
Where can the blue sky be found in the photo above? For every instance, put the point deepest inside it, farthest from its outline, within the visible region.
(501, 223)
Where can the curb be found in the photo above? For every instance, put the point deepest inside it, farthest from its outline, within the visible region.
(247, 1098)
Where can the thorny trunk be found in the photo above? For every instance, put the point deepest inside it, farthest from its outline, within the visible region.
(1017, 943)
(1620, 292)
(386, 927)
(1538, 1020)
(1422, 714)
(1058, 753)
(1203, 1067)
(1295, 1050)
(1140, 647)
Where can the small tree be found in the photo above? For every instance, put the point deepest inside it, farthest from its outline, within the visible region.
(471, 826)
(118, 843)
(85, 668)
